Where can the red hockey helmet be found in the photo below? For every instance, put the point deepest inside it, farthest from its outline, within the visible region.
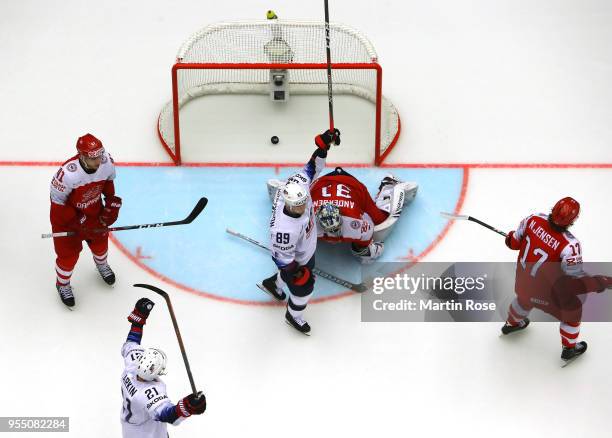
(565, 212)
(89, 146)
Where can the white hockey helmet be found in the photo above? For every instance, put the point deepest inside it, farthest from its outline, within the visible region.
(329, 217)
(152, 363)
(294, 194)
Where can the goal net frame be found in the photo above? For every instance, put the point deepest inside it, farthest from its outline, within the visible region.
(386, 118)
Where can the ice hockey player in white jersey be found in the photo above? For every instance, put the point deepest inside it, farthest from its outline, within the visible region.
(147, 410)
(293, 236)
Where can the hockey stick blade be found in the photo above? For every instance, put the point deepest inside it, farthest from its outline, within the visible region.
(176, 329)
(196, 211)
(189, 219)
(152, 288)
(454, 216)
(345, 283)
(472, 219)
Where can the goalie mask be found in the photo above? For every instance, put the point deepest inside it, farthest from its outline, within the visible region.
(329, 218)
(152, 363)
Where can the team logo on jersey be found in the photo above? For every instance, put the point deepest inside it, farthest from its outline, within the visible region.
(355, 225)
(72, 167)
(90, 197)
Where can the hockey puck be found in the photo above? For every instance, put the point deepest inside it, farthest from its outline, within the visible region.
(274, 139)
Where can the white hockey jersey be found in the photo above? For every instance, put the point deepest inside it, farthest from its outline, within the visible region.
(295, 239)
(72, 186)
(142, 401)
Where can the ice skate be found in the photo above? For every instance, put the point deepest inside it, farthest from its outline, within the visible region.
(269, 286)
(568, 355)
(507, 328)
(66, 295)
(106, 273)
(297, 323)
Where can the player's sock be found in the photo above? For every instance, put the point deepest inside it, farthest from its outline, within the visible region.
(62, 275)
(569, 333)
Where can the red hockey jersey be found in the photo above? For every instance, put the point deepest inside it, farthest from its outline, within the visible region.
(358, 210)
(549, 262)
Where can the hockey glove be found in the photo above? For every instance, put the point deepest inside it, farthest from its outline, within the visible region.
(141, 311)
(302, 276)
(510, 241)
(110, 212)
(367, 254)
(193, 404)
(89, 228)
(603, 281)
(324, 141)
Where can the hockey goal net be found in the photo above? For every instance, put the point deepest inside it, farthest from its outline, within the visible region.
(278, 58)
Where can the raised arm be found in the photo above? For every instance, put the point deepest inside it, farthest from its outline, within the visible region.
(138, 318)
(317, 160)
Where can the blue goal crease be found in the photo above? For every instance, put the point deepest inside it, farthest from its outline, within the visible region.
(202, 256)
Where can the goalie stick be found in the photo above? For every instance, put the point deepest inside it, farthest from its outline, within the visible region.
(472, 219)
(356, 287)
(176, 329)
(190, 218)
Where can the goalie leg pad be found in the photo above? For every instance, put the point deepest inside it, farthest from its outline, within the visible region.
(273, 186)
(392, 198)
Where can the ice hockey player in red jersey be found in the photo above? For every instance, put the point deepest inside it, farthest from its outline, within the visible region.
(347, 213)
(77, 205)
(550, 276)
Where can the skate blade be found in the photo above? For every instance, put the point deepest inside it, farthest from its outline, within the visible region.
(565, 363)
(261, 286)
(291, 325)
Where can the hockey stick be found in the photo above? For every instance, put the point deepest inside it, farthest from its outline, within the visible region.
(329, 71)
(356, 287)
(473, 219)
(194, 213)
(176, 330)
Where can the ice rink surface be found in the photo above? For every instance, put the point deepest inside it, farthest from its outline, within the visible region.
(505, 106)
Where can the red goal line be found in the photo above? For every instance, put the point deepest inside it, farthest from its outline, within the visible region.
(362, 165)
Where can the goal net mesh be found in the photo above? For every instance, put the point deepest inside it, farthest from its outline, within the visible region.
(236, 58)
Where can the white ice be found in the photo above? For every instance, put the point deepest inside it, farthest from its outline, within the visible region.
(475, 81)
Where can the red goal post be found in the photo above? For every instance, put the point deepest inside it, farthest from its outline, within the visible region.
(243, 57)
